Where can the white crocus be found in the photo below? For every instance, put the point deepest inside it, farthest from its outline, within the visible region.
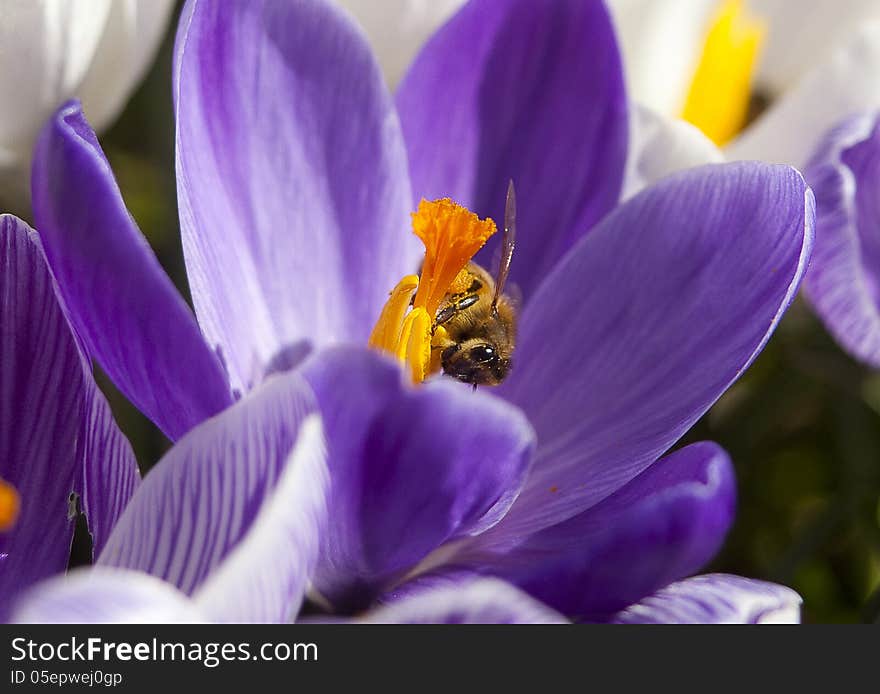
(819, 62)
(53, 50)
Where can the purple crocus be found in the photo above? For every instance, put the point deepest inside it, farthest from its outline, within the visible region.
(296, 174)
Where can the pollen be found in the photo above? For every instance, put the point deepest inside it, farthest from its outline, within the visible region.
(452, 235)
(10, 503)
(718, 99)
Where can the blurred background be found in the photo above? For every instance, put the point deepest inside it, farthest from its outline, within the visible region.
(802, 426)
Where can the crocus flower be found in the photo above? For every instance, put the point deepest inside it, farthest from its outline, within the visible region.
(57, 436)
(52, 50)
(296, 176)
(707, 59)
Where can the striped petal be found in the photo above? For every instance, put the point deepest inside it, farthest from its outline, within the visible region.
(56, 432)
(193, 521)
(843, 283)
(716, 599)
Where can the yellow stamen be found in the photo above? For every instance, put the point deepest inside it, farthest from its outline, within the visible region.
(10, 503)
(386, 333)
(452, 235)
(718, 99)
(418, 346)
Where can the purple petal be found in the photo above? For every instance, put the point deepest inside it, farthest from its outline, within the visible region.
(110, 473)
(716, 599)
(294, 212)
(664, 525)
(57, 435)
(41, 394)
(410, 469)
(480, 601)
(844, 279)
(104, 596)
(264, 578)
(647, 322)
(522, 90)
(196, 508)
(119, 300)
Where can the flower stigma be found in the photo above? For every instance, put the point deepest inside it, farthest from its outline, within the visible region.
(10, 504)
(406, 328)
(718, 98)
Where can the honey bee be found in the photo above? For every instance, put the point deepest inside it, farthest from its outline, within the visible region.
(479, 323)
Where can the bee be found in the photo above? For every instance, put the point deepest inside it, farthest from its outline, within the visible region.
(479, 323)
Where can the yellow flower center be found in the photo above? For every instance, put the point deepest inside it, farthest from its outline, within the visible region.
(452, 235)
(718, 99)
(10, 504)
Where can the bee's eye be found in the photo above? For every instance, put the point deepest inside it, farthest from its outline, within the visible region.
(481, 354)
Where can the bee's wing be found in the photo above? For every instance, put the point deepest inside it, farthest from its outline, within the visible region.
(508, 243)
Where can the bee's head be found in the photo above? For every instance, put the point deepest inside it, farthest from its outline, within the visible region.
(477, 362)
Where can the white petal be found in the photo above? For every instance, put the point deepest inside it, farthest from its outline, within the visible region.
(802, 35)
(100, 595)
(127, 48)
(847, 83)
(397, 29)
(659, 145)
(46, 47)
(661, 44)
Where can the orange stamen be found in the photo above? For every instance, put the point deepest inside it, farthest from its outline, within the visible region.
(452, 236)
(10, 504)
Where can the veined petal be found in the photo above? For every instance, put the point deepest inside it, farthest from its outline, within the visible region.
(522, 90)
(659, 145)
(685, 284)
(264, 577)
(398, 28)
(410, 469)
(663, 525)
(716, 599)
(100, 595)
(844, 84)
(294, 214)
(119, 300)
(198, 506)
(844, 279)
(110, 474)
(55, 427)
(475, 601)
